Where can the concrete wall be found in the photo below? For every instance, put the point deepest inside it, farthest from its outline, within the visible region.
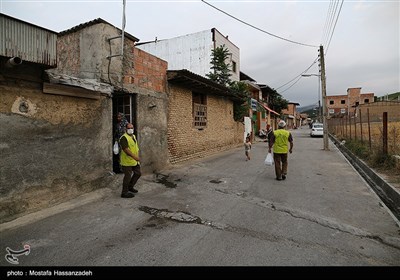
(233, 49)
(151, 128)
(192, 52)
(84, 54)
(186, 142)
(53, 148)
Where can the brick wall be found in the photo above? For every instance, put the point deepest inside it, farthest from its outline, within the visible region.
(349, 100)
(376, 110)
(186, 142)
(147, 71)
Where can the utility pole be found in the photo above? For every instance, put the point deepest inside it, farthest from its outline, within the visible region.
(324, 107)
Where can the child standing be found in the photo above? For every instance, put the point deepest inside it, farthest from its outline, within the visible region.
(247, 148)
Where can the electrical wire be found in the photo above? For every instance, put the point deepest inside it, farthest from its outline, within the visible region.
(326, 23)
(326, 51)
(298, 75)
(259, 29)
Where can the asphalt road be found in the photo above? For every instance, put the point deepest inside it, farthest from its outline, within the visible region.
(220, 211)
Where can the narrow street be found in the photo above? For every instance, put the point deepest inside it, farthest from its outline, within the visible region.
(221, 211)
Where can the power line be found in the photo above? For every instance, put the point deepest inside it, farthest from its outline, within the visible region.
(294, 42)
(325, 30)
(332, 19)
(298, 79)
(298, 75)
(326, 52)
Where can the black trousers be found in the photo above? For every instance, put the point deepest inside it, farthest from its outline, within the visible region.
(132, 175)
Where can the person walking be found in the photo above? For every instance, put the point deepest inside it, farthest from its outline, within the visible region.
(247, 148)
(130, 162)
(279, 141)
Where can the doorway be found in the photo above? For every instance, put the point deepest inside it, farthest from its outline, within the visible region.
(126, 104)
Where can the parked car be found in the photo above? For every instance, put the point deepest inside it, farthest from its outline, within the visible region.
(317, 129)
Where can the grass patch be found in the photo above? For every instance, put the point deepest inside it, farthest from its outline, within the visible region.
(375, 159)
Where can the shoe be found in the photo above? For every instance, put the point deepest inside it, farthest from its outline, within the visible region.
(127, 195)
(283, 177)
(279, 179)
(133, 190)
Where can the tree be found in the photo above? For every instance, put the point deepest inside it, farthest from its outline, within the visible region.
(276, 101)
(221, 74)
(221, 69)
(241, 106)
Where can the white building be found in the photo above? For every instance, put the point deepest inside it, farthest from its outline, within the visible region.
(193, 52)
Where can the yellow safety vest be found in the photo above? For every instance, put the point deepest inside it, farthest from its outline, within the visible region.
(281, 141)
(133, 146)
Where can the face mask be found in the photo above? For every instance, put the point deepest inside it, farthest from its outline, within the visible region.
(129, 131)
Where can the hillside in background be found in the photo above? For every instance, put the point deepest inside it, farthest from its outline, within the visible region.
(390, 97)
(305, 109)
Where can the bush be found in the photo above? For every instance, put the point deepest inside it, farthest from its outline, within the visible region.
(380, 160)
(358, 148)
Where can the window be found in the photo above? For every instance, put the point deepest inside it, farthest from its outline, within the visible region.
(124, 104)
(343, 111)
(331, 102)
(342, 101)
(199, 110)
(366, 100)
(331, 111)
(234, 66)
(357, 103)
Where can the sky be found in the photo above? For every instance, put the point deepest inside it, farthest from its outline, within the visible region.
(361, 39)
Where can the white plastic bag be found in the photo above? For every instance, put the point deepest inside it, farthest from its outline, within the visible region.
(116, 148)
(269, 160)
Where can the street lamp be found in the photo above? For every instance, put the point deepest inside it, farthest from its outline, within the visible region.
(324, 108)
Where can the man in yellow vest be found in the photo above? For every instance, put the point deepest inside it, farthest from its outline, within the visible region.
(279, 139)
(130, 162)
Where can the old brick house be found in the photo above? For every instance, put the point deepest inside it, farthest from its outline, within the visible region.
(200, 113)
(200, 117)
(92, 50)
(346, 104)
(57, 107)
(290, 115)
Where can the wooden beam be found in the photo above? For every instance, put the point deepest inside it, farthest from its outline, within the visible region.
(70, 91)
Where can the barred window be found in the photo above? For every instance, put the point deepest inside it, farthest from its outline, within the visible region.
(199, 110)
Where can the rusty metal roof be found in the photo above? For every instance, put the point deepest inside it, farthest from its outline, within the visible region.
(27, 41)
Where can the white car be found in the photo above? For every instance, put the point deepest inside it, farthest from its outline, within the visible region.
(317, 129)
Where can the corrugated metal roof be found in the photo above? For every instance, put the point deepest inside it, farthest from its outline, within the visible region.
(27, 41)
(93, 22)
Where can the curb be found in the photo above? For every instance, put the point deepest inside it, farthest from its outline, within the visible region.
(389, 195)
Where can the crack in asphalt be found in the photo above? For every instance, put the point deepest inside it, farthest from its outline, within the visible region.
(185, 217)
(323, 221)
(311, 217)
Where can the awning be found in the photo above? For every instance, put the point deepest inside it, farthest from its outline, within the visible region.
(266, 107)
(291, 117)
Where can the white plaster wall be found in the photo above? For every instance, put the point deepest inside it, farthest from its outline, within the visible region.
(222, 40)
(193, 52)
